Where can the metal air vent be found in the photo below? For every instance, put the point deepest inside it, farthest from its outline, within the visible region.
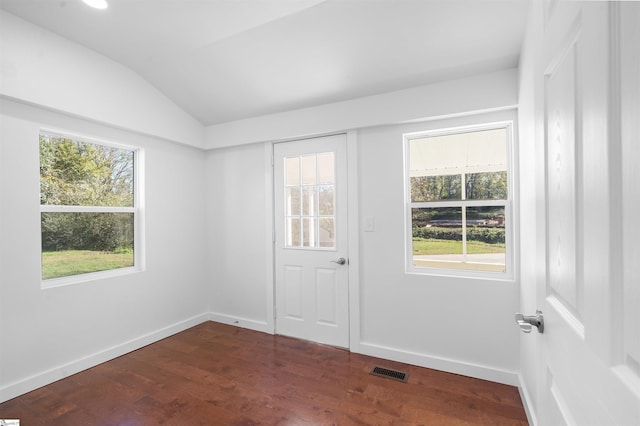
(389, 374)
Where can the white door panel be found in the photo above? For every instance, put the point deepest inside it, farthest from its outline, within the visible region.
(589, 374)
(293, 292)
(310, 196)
(630, 152)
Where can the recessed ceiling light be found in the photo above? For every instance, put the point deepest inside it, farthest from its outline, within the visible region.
(97, 4)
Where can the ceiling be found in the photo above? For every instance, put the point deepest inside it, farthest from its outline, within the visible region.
(224, 60)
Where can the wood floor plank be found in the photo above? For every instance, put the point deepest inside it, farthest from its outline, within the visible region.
(214, 374)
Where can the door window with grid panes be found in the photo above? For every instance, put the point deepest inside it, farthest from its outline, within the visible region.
(309, 194)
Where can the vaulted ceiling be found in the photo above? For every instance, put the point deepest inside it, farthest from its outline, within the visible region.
(224, 60)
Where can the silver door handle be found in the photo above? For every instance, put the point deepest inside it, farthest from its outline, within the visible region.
(526, 323)
(340, 261)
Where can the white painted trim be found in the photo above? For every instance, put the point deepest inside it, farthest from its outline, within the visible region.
(504, 118)
(50, 208)
(247, 323)
(527, 402)
(269, 237)
(88, 277)
(138, 209)
(140, 226)
(353, 222)
(448, 365)
(62, 133)
(37, 380)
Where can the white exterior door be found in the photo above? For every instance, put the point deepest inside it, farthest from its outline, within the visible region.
(311, 245)
(590, 372)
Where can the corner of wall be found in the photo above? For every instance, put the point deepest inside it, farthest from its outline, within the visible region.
(40, 379)
(44, 69)
(247, 323)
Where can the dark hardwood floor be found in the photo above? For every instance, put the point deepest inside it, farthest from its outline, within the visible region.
(215, 374)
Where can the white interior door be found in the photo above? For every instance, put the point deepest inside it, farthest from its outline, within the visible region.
(590, 373)
(311, 245)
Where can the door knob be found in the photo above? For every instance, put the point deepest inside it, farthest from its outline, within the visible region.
(527, 322)
(340, 261)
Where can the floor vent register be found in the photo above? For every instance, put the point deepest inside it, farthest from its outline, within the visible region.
(390, 374)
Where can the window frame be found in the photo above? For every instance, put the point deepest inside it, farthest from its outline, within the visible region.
(510, 264)
(137, 210)
(317, 218)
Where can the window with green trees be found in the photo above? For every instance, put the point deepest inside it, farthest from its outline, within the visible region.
(89, 206)
(458, 199)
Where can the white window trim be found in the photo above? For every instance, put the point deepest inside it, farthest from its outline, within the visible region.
(49, 208)
(510, 227)
(139, 260)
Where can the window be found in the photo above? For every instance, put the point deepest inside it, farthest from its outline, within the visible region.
(458, 202)
(89, 206)
(309, 185)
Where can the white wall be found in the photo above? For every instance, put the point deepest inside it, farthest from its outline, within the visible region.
(484, 92)
(44, 69)
(461, 325)
(47, 334)
(458, 325)
(223, 272)
(238, 212)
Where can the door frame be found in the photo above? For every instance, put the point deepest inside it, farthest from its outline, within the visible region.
(353, 225)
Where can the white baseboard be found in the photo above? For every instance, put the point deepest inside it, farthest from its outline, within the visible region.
(240, 322)
(38, 380)
(28, 384)
(443, 364)
(527, 402)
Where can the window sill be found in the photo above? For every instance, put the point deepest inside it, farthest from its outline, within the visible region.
(92, 276)
(461, 273)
